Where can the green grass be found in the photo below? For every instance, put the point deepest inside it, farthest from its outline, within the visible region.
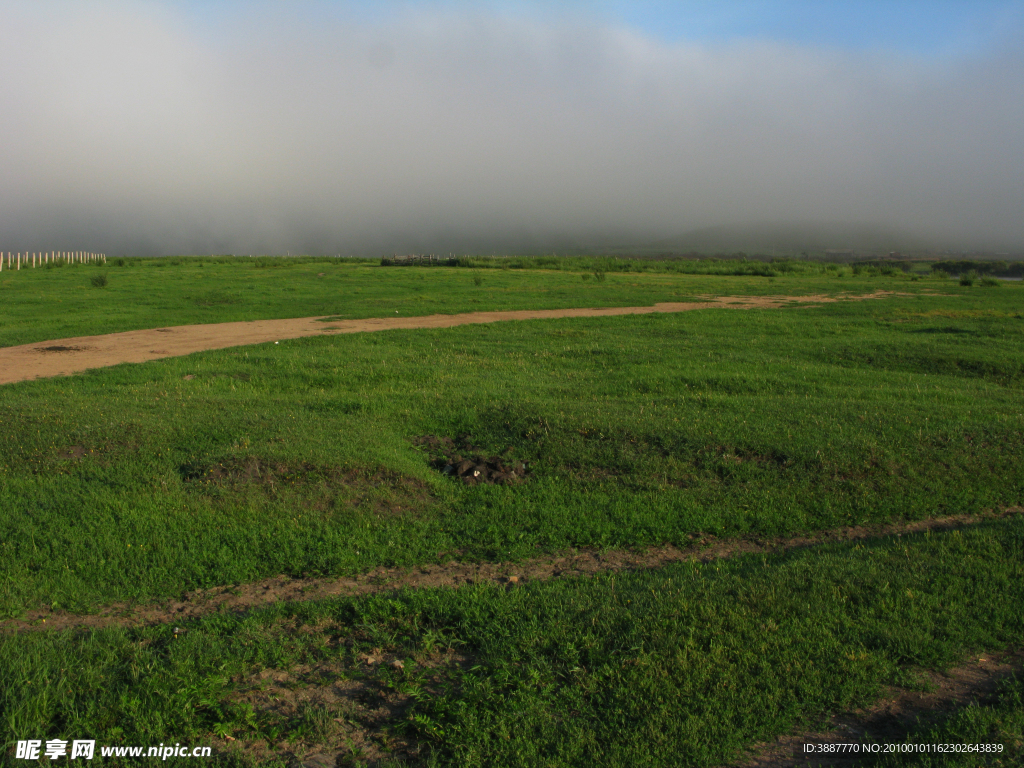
(682, 666)
(44, 304)
(140, 482)
(298, 458)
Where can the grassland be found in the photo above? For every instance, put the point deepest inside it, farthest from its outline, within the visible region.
(682, 666)
(41, 304)
(138, 483)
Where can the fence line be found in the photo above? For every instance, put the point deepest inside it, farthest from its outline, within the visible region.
(15, 259)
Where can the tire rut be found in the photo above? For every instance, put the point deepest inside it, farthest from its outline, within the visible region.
(240, 598)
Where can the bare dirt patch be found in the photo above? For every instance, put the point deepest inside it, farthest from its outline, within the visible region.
(244, 597)
(342, 711)
(24, 362)
(893, 716)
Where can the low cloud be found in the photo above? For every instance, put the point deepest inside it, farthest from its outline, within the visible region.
(135, 128)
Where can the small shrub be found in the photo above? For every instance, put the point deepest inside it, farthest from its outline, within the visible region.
(585, 276)
(118, 262)
(98, 281)
(599, 276)
(968, 277)
(477, 280)
(990, 282)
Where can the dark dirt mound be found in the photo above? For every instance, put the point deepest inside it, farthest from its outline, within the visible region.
(59, 348)
(460, 459)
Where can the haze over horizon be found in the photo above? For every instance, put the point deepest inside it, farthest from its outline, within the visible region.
(231, 127)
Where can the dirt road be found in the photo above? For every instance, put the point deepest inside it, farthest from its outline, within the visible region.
(67, 356)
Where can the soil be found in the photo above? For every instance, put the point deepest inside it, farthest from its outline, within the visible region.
(60, 348)
(352, 704)
(462, 460)
(893, 716)
(584, 562)
(63, 357)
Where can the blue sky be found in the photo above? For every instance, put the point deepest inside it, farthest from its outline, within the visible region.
(910, 26)
(917, 27)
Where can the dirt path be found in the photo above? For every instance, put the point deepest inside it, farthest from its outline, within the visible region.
(244, 597)
(62, 357)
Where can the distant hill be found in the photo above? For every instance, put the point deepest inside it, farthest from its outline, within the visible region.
(791, 239)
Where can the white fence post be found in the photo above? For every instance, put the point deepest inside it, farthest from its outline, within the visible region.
(32, 259)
